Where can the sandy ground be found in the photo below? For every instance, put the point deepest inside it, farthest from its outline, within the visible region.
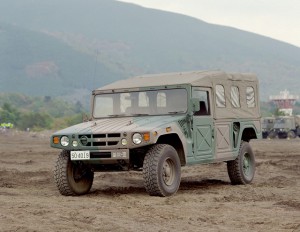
(206, 201)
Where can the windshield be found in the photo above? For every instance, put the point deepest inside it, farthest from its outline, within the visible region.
(154, 102)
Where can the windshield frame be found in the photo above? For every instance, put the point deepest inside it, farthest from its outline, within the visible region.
(175, 102)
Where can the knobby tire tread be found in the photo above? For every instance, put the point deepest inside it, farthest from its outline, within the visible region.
(150, 170)
(60, 174)
(234, 171)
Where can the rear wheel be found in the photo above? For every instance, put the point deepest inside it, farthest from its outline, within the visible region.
(72, 178)
(242, 169)
(162, 170)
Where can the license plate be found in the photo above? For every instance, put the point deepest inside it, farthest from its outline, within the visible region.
(80, 155)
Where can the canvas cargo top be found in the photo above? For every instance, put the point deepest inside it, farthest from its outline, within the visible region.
(195, 78)
(201, 79)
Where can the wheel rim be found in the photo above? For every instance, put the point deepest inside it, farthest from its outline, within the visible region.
(168, 173)
(247, 165)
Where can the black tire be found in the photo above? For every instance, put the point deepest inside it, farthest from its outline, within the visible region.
(242, 169)
(72, 178)
(291, 135)
(265, 135)
(162, 170)
(298, 131)
(272, 135)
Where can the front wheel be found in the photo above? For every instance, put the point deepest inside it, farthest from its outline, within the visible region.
(72, 178)
(291, 135)
(162, 170)
(242, 169)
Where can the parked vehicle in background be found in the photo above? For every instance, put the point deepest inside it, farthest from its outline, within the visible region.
(4, 127)
(157, 124)
(267, 124)
(285, 127)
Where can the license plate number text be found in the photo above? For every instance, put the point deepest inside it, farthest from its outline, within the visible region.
(80, 155)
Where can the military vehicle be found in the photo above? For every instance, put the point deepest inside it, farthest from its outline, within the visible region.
(285, 127)
(158, 123)
(267, 124)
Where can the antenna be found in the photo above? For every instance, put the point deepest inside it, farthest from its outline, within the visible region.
(95, 69)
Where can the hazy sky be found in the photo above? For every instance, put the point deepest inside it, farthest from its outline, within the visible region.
(278, 19)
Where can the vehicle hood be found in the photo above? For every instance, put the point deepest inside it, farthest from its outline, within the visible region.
(119, 125)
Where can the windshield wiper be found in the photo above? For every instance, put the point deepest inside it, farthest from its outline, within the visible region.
(139, 114)
(116, 115)
(176, 112)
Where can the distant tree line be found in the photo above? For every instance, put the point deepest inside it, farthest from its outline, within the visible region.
(39, 113)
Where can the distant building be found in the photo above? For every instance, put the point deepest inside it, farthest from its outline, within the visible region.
(285, 102)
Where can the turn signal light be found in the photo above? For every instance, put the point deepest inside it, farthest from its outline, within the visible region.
(168, 129)
(56, 140)
(146, 136)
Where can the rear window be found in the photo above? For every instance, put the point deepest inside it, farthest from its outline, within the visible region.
(250, 97)
(220, 96)
(235, 96)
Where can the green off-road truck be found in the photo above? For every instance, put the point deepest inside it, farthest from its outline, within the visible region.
(286, 127)
(157, 124)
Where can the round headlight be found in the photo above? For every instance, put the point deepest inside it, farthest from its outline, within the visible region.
(64, 141)
(124, 142)
(75, 143)
(137, 138)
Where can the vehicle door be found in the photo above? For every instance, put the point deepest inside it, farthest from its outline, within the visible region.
(226, 129)
(203, 142)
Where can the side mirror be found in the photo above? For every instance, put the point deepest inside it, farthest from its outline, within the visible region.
(195, 104)
(85, 118)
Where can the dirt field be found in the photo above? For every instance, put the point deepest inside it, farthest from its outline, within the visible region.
(29, 200)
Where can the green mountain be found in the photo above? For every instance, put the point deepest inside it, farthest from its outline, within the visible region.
(105, 40)
(40, 65)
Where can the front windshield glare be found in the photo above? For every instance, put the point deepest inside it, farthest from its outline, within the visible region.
(156, 102)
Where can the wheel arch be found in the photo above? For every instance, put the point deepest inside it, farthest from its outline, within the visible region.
(174, 141)
(248, 134)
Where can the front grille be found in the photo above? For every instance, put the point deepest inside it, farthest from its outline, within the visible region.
(99, 136)
(99, 140)
(99, 144)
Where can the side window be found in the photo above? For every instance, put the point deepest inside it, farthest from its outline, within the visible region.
(203, 101)
(220, 96)
(250, 97)
(235, 96)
